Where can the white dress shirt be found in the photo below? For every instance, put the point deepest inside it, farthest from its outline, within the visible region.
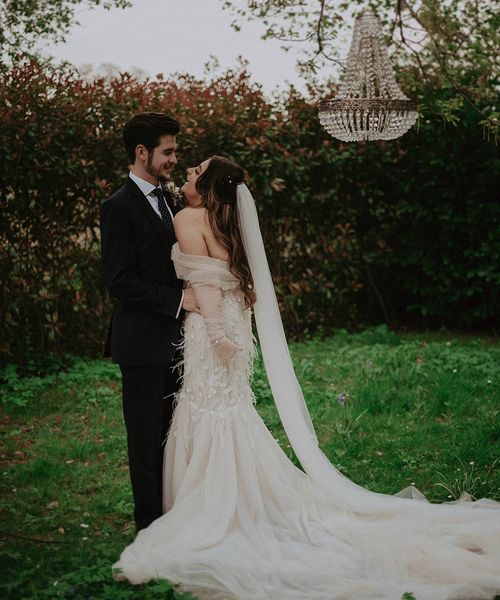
(146, 188)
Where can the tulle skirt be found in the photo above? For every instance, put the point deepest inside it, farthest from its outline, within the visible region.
(242, 522)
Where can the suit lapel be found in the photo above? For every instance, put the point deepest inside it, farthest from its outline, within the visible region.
(148, 211)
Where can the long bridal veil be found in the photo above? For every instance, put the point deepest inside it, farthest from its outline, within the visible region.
(288, 395)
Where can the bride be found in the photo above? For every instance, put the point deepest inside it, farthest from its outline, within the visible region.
(240, 520)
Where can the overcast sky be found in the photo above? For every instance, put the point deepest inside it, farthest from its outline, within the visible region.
(164, 36)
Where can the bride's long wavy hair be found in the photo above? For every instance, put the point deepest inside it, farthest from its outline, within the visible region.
(217, 186)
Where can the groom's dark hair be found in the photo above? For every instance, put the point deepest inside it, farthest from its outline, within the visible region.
(146, 129)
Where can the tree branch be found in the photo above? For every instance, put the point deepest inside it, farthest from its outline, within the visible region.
(439, 56)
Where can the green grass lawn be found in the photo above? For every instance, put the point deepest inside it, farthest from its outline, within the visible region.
(421, 409)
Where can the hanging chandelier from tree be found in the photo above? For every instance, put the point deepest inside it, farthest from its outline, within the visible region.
(369, 104)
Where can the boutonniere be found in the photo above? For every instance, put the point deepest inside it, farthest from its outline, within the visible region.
(175, 192)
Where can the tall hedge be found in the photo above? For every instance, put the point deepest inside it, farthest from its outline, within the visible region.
(403, 232)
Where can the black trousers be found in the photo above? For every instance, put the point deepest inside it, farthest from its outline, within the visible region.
(147, 409)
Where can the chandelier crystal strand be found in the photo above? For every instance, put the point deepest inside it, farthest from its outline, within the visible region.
(369, 104)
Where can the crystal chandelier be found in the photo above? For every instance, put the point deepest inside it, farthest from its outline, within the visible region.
(369, 104)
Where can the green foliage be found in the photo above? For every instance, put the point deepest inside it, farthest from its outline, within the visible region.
(18, 391)
(414, 404)
(89, 582)
(23, 23)
(421, 409)
(404, 233)
(452, 45)
(95, 582)
(469, 479)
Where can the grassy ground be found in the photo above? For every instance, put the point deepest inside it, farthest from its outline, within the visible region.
(420, 409)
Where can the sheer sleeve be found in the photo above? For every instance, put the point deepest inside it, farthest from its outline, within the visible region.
(203, 269)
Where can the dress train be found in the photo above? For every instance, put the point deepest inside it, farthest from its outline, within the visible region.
(242, 522)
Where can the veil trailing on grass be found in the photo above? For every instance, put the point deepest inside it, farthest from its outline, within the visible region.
(285, 388)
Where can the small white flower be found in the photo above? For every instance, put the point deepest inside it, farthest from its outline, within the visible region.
(454, 370)
(471, 462)
(84, 525)
(174, 191)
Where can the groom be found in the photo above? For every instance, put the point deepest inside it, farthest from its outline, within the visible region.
(137, 235)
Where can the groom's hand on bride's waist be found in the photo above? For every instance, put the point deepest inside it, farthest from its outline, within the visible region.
(189, 302)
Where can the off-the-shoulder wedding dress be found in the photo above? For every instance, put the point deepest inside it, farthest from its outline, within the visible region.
(241, 521)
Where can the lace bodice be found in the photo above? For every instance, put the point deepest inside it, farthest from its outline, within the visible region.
(203, 269)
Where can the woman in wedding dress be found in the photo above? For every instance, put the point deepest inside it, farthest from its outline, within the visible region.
(241, 521)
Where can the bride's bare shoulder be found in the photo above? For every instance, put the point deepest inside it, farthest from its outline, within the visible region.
(190, 216)
(190, 225)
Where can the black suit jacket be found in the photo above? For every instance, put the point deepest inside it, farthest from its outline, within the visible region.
(140, 276)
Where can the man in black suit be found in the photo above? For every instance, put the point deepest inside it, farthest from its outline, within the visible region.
(137, 235)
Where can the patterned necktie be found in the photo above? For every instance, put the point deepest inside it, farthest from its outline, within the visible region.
(164, 212)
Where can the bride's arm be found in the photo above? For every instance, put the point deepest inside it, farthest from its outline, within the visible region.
(189, 226)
